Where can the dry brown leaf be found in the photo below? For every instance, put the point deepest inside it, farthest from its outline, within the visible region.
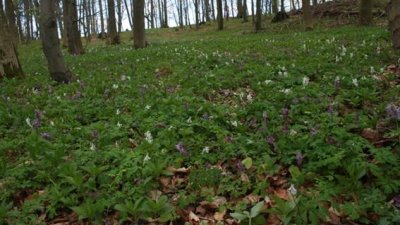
(201, 210)
(165, 181)
(219, 216)
(252, 199)
(218, 201)
(282, 193)
(244, 178)
(370, 134)
(155, 194)
(193, 217)
(273, 220)
(178, 170)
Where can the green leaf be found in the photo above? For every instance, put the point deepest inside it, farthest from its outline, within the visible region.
(247, 162)
(255, 210)
(238, 216)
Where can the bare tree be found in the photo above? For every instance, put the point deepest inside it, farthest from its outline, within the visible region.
(394, 21)
(196, 11)
(165, 6)
(10, 14)
(138, 34)
(51, 44)
(9, 63)
(112, 24)
(258, 16)
(119, 15)
(220, 16)
(274, 6)
(365, 12)
(102, 34)
(71, 27)
(307, 16)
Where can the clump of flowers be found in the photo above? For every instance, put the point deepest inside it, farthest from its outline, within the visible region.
(181, 148)
(393, 112)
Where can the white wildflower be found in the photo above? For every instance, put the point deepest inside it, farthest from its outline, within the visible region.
(292, 190)
(189, 120)
(119, 125)
(147, 107)
(148, 137)
(234, 123)
(206, 150)
(372, 69)
(92, 146)
(51, 123)
(249, 98)
(28, 121)
(117, 112)
(306, 81)
(292, 132)
(115, 86)
(355, 82)
(267, 81)
(146, 158)
(286, 91)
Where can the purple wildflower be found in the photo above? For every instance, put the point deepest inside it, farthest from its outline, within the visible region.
(229, 138)
(240, 166)
(285, 128)
(330, 109)
(46, 136)
(181, 148)
(396, 201)
(285, 112)
(206, 116)
(38, 119)
(106, 93)
(95, 134)
(313, 131)
(299, 159)
(337, 83)
(271, 140)
(393, 111)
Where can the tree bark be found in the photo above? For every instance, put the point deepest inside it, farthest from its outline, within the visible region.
(165, 14)
(307, 16)
(112, 24)
(220, 16)
(274, 6)
(51, 44)
(208, 9)
(138, 34)
(27, 20)
(245, 13)
(180, 13)
(239, 9)
(394, 22)
(103, 32)
(365, 12)
(10, 12)
(9, 62)
(196, 11)
(71, 26)
(152, 13)
(258, 15)
(119, 15)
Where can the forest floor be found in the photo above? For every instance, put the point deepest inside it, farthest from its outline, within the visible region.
(208, 127)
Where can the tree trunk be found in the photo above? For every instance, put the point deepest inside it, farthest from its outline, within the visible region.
(152, 14)
(180, 13)
(71, 26)
(213, 10)
(165, 14)
(239, 9)
(27, 21)
(274, 6)
(138, 34)
(314, 2)
(394, 21)
(245, 14)
(10, 13)
(365, 12)
(307, 16)
(208, 9)
(258, 17)
(9, 63)
(252, 11)
(103, 32)
(119, 15)
(282, 5)
(112, 24)
(220, 16)
(196, 11)
(51, 44)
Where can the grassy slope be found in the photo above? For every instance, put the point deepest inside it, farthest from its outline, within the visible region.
(206, 89)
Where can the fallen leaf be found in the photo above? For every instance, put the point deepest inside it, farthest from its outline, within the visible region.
(244, 178)
(282, 193)
(252, 199)
(193, 217)
(219, 216)
(370, 134)
(273, 220)
(155, 194)
(201, 210)
(179, 170)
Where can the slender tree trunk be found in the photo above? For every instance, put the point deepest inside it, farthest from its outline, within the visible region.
(165, 14)
(245, 11)
(103, 32)
(208, 9)
(130, 18)
(307, 16)
(275, 6)
(180, 13)
(10, 12)
(233, 12)
(212, 9)
(152, 13)
(314, 2)
(282, 5)
(27, 21)
(239, 9)
(196, 11)
(220, 16)
(259, 13)
(293, 5)
(71, 26)
(138, 34)
(160, 15)
(9, 62)
(19, 25)
(119, 15)
(365, 12)
(394, 22)
(252, 11)
(112, 24)
(51, 45)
